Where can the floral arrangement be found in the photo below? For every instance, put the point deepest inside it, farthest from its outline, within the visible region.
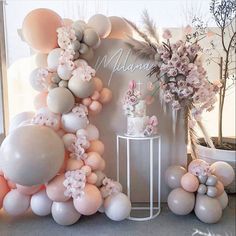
(180, 77)
(151, 127)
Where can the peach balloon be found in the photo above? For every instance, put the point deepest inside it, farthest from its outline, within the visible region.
(102, 165)
(95, 95)
(98, 84)
(90, 202)
(220, 188)
(105, 96)
(55, 189)
(1, 173)
(39, 29)
(95, 107)
(87, 101)
(92, 178)
(28, 190)
(189, 182)
(96, 146)
(4, 189)
(73, 164)
(93, 160)
(87, 170)
(40, 100)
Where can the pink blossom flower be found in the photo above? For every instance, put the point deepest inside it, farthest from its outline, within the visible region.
(168, 96)
(176, 105)
(84, 72)
(80, 110)
(133, 100)
(167, 34)
(148, 130)
(111, 187)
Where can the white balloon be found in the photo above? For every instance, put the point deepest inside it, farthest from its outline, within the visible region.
(68, 139)
(16, 203)
(53, 59)
(101, 24)
(117, 207)
(63, 72)
(64, 213)
(19, 118)
(93, 133)
(224, 200)
(71, 122)
(41, 60)
(41, 204)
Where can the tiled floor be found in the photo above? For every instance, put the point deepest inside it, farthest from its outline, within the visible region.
(167, 224)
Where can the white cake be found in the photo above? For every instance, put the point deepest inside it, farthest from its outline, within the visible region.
(138, 123)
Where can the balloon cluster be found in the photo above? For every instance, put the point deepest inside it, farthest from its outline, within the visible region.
(51, 161)
(200, 188)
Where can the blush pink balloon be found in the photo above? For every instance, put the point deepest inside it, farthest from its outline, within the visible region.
(105, 96)
(55, 189)
(92, 132)
(95, 108)
(87, 101)
(61, 132)
(28, 190)
(94, 160)
(96, 146)
(4, 189)
(102, 165)
(92, 178)
(73, 164)
(40, 29)
(95, 95)
(40, 100)
(90, 202)
(189, 182)
(87, 170)
(11, 184)
(220, 188)
(98, 84)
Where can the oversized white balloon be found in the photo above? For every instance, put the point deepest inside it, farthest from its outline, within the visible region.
(16, 203)
(20, 118)
(224, 200)
(53, 59)
(41, 204)
(117, 207)
(64, 213)
(31, 155)
(224, 172)
(60, 100)
(101, 24)
(93, 132)
(71, 122)
(80, 88)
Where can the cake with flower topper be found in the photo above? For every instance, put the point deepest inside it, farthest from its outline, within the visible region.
(134, 105)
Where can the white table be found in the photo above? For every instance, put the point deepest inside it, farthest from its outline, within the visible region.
(153, 211)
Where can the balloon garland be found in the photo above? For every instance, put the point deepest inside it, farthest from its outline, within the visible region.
(51, 161)
(201, 189)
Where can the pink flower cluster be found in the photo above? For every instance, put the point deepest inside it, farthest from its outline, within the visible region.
(80, 110)
(110, 187)
(84, 72)
(131, 98)
(43, 78)
(74, 182)
(182, 76)
(151, 126)
(66, 35)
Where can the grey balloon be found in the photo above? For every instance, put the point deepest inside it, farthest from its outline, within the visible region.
(202, 189)
(211, 180)
(100, 177)
(211, 191)
(173, 176)
(208, 209)
(202, 179)
(224, 200)
(180, 201)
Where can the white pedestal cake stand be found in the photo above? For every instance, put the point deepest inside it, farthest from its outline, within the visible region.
(153, 211)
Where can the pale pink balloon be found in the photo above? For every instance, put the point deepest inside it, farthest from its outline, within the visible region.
(40, 100)
(93, 160)
(73, 164)
(39, 29)
(67, 22)
(95, 108)
(102, 165)
(28, 190)
(55, 189)
(61, 132)
(87, 101)
(96, 146)
(189, 182)
(4, 189)
(16, 203)
(220, 188)
(95, 95)
(98, 84)
(92, 178)
(105, 96)
(11, 184)
(87, 170)
(93, 132)
(90, 202)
